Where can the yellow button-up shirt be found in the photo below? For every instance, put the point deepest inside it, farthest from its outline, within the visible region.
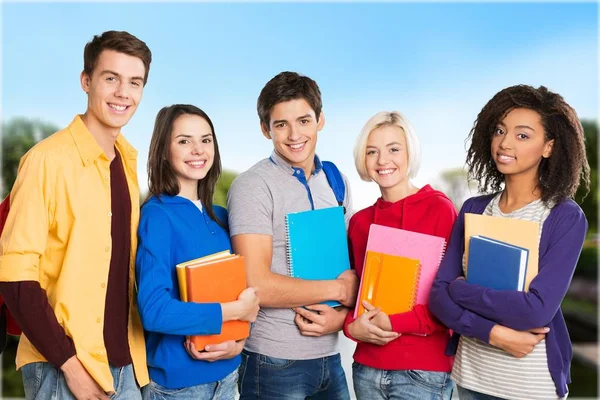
(58, 233)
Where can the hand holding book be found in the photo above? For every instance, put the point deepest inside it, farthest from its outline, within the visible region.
(365, 330)
(245, 308)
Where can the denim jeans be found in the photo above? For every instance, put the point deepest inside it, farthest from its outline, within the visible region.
(466, 394)
(270, 378)
(42, 381)
(220, 390)
(380, 384)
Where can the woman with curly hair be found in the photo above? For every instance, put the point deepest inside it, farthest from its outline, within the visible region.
(528, 154)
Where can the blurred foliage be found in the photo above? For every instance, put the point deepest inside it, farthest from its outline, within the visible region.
(18, 136)
(223, 184)
(590, 202)
(587, 266)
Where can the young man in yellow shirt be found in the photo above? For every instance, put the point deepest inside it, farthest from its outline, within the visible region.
(68, 246)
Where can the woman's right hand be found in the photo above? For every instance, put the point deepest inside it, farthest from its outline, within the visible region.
(517, 343)
(364, 330)
(249, 304)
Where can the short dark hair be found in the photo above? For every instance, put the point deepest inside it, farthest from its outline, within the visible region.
(287, 86)
(119, 41)
(161, 177)
(560, 174)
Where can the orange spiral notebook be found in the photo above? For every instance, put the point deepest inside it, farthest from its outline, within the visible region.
(389, 282)
(217, 278)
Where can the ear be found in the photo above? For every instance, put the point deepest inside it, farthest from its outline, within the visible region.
(265, 131)
(321, 122)
(85, 81)
(548, 148)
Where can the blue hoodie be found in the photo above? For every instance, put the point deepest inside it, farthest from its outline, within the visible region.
(173, 230)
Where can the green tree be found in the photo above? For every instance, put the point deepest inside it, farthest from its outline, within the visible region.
(223, 184)
(18, 136)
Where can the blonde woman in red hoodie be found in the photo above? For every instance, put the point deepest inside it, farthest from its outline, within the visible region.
(398, 356)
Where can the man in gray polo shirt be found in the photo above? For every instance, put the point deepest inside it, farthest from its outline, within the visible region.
(292, 353)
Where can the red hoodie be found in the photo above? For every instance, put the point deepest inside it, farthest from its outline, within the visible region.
(427, 211)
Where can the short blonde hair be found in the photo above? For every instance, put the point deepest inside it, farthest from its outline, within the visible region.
(381, 119)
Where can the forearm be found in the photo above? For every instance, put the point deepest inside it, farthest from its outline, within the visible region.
(418, 321)
(161, 313)
(279, 291)
(28, 303)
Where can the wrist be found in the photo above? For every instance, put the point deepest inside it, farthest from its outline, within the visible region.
(231, 311)
(495, 334)
(70, 365)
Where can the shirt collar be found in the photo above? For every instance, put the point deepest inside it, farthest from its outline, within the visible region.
(284, 165)
(89, 149)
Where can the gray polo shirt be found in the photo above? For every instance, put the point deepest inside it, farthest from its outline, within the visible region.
(257, 202)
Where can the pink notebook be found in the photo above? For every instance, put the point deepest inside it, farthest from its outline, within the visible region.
(426, 248)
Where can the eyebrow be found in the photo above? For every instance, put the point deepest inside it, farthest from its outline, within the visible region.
(518, 126)
(108, 71)
(185, 135)
(387, 145)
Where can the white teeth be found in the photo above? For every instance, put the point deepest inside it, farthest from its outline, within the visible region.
(296, 146)
(196, 163)
(505, 158)
(385, 171)
(116, 107)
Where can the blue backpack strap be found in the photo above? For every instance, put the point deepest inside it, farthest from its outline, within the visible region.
(334, 177)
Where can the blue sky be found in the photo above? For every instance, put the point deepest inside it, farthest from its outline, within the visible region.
(438, 63)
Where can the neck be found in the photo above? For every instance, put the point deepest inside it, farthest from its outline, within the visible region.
(518, 192)
(189, 190)
(105, 136)
(399, 191)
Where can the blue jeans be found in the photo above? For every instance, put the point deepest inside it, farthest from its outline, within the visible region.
(220, 390)
(466, 394)
(42, 381)
(270, 378)
(380, 384)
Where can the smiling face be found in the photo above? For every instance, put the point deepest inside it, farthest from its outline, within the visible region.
(293, 129)
(386, 158)
(114, 90)
(191, 152)
(519, 144)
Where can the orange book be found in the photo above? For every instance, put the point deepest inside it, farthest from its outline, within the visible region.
(521, 233)
(217, 279)
(389, 282)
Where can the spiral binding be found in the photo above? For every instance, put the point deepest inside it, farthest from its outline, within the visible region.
(413, 295)
(442, 252)
(288, 249)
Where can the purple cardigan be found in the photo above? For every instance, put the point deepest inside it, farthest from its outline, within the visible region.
(473, 310)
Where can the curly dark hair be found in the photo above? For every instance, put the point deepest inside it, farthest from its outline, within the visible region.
(559, 175)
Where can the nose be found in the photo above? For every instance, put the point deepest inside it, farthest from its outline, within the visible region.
(198, 148)
(506, 142)
(382, 159)
(294, 133)
(122, 90)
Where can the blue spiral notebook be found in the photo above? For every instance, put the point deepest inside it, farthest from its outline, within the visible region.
(317, 245)
(496, 264)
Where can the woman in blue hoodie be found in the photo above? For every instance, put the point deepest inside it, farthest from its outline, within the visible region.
(179, 223)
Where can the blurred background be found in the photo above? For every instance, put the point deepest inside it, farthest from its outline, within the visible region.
(437, 63)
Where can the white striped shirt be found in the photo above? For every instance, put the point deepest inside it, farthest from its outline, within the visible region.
(483, 368)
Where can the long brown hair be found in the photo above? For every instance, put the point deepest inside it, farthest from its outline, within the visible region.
(161, 177)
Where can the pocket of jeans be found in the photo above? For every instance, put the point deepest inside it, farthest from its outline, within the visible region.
(274, 362)
(429, 380)
(32, 378)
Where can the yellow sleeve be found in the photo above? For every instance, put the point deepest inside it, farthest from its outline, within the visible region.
(25, 233)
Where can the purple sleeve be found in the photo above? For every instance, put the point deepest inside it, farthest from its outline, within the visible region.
(28, 303)
(453, 315)
(536, 308)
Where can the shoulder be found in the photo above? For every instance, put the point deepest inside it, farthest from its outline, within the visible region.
(477, 204)
(155, 208)
(568, 210)
(220, 212)
(362, 217)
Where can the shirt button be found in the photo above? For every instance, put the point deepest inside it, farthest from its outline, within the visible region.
(106, 249)
(98, 320)
(103, 285)
(106, 179)
(110, 214)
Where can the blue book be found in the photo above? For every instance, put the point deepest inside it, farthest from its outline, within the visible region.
(496, 265)
(317, 245)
